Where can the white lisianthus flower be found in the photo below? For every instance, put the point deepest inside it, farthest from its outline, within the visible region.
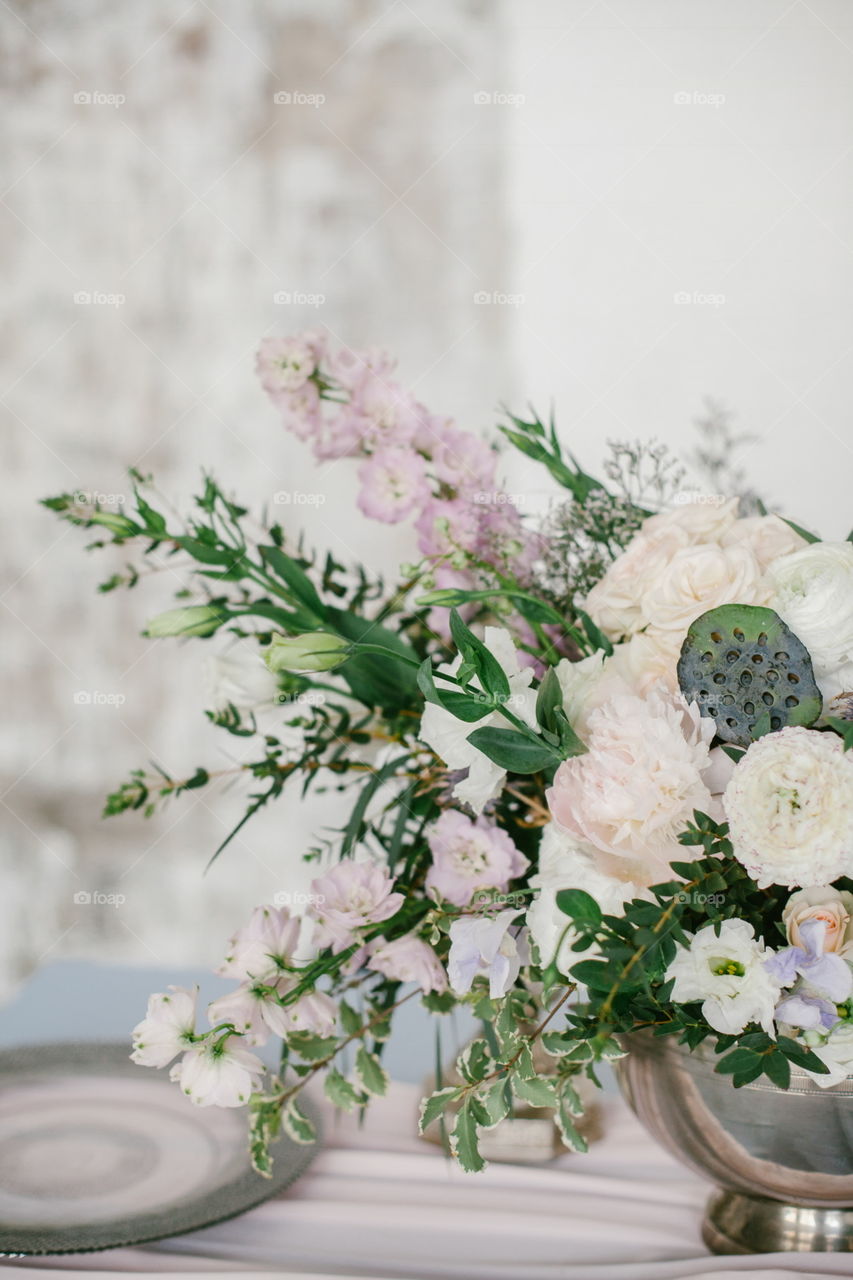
(789, 806)
(728, 975)
(239, 678)
(167, 1029)
(448, 736)
(638, 784)
(836, 1053)
(565, 863)
(218, 1074)
(812, 591)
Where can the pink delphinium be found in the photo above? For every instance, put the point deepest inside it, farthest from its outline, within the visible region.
(470, 854)
(393, 485)
(351, 896)
(408, 959)
(263, 948)
(462, 460)
(447, 525)
(286, 364)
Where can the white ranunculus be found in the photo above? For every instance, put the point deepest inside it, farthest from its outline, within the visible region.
(564, 863)
(837, 1054)
(700, 578)
(790, 809)
(812, 591)
(448, 736)
(239, 678)
(727, 974)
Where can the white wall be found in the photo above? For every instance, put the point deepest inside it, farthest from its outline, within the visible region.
(624, 195)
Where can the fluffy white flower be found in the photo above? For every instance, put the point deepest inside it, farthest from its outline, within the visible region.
(790, 809)
(447, 736)
(837, 1054)
(167, 1029)
(812, 590)
(634, 790)
(218, 1074)
(728, 975)
(564, 863)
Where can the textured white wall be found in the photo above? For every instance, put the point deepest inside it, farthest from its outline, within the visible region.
(463, 148)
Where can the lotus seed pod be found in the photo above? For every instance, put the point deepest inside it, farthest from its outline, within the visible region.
(741, 663)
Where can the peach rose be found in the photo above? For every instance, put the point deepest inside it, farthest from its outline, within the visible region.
(833, 906)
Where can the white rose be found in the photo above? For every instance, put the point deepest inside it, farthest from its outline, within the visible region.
(812, 590)
(727, 974)
(448, 737)
(767, 537)
(614, 603)
(834, 907)
(837, 1054)
(700, 521)
(564, 863)
(700, 578)
(790, 809)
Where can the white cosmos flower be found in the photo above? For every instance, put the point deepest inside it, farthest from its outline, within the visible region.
(218, 1074)
(727, 973)
(790, 809)
(167, 1029)
(447, 736)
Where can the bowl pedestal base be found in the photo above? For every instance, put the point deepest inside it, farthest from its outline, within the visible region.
(739, 1223)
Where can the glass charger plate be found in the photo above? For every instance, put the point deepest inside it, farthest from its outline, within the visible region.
(96, 1153)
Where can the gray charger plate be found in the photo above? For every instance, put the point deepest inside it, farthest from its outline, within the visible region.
(96, 1153)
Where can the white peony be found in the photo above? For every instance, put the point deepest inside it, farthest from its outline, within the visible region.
(635, 666)
(727, 974)
(812, 591)
(790, 809)
(448, 736)
(837, 1054)
(564, 863)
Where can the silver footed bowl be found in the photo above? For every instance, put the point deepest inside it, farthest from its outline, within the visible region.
(782, 1159)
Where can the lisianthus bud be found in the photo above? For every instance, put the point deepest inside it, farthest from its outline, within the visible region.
(190, 620)
(313, 651)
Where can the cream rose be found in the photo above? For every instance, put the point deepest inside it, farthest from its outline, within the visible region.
(812, 590)
(700, 521)
(767, 537)
(615, 603)
(834, 907)
(790, 809)
(701, 578)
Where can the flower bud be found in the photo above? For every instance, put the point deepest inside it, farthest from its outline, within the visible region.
(313, 651)
(189, 620)
(445, 596)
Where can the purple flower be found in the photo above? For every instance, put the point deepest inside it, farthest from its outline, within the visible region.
(809, 1013)
(483, 946)
(393, 484)
(828, 974)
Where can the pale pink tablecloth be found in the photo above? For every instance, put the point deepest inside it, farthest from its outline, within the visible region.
(378, 1203)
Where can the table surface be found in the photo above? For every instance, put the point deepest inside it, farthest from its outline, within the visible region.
(379, 1204)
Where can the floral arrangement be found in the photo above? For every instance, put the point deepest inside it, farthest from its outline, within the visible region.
(597, 767)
